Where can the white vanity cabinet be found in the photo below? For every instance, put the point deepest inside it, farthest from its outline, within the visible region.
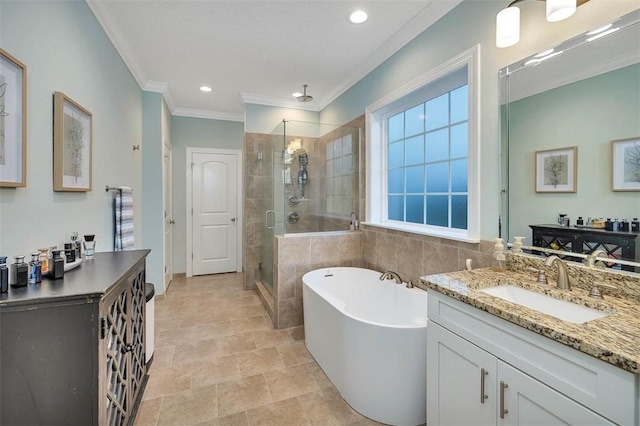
(482, 370)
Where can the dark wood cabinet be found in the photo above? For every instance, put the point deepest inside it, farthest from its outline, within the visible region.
(72, 350)
(618, 245)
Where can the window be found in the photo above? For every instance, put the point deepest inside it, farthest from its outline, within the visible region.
(423, 156)
(340, 179)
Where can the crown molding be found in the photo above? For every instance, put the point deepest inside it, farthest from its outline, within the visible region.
(211, 115)
(252, 98)
(117, 41)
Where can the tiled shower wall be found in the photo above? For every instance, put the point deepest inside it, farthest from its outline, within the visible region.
(297, 254)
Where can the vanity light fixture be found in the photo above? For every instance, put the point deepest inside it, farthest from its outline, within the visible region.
(599, 30)
(508, 19)
(542, 56)
(602, 34)
(358, 16)
(205, 89)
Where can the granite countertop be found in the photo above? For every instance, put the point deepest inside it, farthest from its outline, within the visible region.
(614, 338)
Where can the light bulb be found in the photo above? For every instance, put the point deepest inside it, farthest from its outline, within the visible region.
(508, 27)
(557, 10)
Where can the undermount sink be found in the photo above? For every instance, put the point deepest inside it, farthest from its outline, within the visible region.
(560, 309)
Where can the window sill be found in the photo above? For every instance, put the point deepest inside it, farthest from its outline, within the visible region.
(433, 232)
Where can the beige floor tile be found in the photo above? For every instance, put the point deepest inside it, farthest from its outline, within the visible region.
(283, 413)
(178, 336)
(237, 419)
(259, 361)
(297, 333)
(326, 408)
(215, 329)
(294, 354)
(236, 343)
(242, 394)
(162, 357)
(222, 369)
(290, 382)
(167, 381)
(148, 412)
(190, 407)
(271, 337)
(321, 378)
(201, 351)
(198, 318)
(251, 324)
(366, 422)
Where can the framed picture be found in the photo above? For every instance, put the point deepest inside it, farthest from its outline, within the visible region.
(13, 121)
(72, 129)
(557, 170)
(625, 164)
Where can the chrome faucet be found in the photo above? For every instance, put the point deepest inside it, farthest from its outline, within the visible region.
(591, 260)
(387, 275)
(563, 276)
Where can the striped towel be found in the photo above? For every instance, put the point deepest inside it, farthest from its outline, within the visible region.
(123, 212)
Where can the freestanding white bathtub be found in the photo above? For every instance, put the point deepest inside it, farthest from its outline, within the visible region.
(370, 338)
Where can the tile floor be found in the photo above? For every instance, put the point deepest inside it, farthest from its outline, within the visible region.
(219, 361)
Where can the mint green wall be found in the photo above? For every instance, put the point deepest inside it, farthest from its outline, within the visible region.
(65, 49)
(155, 122)
(587, 114)
(186, 133)
(470, 23)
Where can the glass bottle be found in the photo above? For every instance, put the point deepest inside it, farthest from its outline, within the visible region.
(35, 269)
(70, 252)
(44, 260)
(4, 275)
(19, 272)
(57, 267)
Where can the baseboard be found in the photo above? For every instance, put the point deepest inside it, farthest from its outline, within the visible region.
(178, 275)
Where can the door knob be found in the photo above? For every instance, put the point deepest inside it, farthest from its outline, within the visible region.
(171, 221)
(233, 219)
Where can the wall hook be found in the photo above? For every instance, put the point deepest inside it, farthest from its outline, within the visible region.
(136, 147)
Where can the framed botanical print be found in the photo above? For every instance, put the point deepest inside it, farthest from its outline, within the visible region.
(72, 145)
(625, 164)
(13, 121)
(556, 170)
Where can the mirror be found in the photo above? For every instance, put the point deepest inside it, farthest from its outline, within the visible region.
(585, 93)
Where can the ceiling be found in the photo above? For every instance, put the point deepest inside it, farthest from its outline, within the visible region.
(257, 51)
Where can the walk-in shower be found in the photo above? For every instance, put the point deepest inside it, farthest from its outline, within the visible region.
(308, 182)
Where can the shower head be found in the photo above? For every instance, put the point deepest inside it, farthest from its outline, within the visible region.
(304, 97)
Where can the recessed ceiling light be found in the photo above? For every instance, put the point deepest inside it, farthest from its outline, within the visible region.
(205, 88)
(358, 16)
(296, 94)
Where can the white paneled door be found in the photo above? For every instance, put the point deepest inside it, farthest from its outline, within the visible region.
(215, 222)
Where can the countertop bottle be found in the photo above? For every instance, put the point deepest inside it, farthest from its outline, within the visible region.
(19, 272)
(44, 260)
(57, 267)
(608, 224)
(70, 252)
(635, 225)
(579, 221)
(35, 269)
(624, 226)
(4, 275)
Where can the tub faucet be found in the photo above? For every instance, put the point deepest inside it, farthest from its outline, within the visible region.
(591, 260)
(563, 276)
(387, 275)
